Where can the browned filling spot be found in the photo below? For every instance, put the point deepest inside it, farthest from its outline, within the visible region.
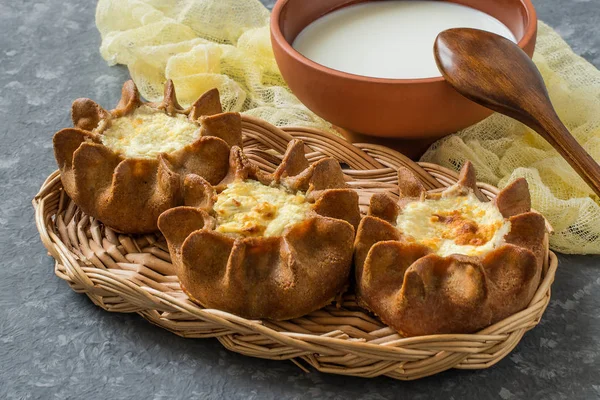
(464, 231)
(266, 211)
(253, 229)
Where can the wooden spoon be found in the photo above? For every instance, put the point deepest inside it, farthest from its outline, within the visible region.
(494, 72)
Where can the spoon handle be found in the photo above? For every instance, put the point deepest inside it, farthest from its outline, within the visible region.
(551, 128)
(496, 73)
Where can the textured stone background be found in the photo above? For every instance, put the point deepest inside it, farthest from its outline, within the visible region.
(55, 343)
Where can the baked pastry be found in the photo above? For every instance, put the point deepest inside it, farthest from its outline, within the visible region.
(261, 245)
(126, 166)
(449, 262)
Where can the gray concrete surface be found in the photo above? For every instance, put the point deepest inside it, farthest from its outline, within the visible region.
(56, 344)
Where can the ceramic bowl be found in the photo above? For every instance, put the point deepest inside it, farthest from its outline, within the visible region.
(387, 108)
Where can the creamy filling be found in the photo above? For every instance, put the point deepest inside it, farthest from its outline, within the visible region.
(249, 208)
(146, 132)
(454, 225)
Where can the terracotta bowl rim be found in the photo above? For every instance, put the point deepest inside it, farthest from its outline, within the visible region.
(277, 36)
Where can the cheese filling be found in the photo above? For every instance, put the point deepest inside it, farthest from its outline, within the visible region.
(454, 225)
(249, 208)
(146, 132)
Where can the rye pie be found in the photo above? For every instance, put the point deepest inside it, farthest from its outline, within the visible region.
(126, 166)
(261, 245)
(448, 262)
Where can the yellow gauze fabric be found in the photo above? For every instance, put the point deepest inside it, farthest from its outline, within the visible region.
(201, 44)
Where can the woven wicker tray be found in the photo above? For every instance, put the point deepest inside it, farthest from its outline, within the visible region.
(124, 273)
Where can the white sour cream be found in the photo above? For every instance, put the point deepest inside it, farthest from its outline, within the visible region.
(389, 39)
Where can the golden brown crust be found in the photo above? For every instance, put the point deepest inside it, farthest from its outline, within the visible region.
(383, 206)
(279, 277)
(325, 174)
(128, 194)
(86, 114)
(213, 249)
(385, 267)
(528, 231)
(87, 183)
(66, 142)
(468, 179)
(207, 104)
(170, 103)
(370, 231)
(339, 204)
(409, 185)
(197, 192)
(130, 100)
(192, 159)
(226, 126)
(514, 199)
(442, 295)
(294, 161)
(513, 274)
(240, 168)
(182, 222)
(418, 293)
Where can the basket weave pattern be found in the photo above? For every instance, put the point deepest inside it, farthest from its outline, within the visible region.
(124, 273)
